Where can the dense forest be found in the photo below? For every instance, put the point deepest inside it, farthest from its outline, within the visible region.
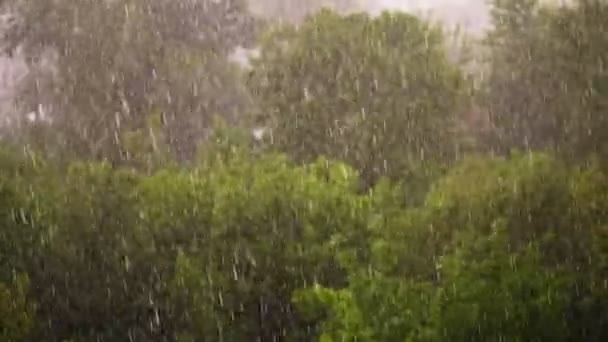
(403, 182)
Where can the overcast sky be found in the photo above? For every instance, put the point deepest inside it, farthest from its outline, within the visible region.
(470, 13)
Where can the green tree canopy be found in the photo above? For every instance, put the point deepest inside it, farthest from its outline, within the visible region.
(378, 93)
(503, 249)
(98, 69)
(547, 83)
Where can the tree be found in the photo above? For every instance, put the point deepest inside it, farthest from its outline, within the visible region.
(15, 311)
(500, 250)
(211, 253)
(486, 294)
(378, 93)
(255, 231)
(490, 292)
(243, 246)
(546, 84)
(98, 69)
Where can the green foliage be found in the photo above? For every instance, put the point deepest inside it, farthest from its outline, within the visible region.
(213, 252)
(242, 244)
(97, 69)
(378, 93)
(546, 84)
(500, 250)
(16, 313)
(251, 245)
(528, 193)
(258, 229)
(491, 293)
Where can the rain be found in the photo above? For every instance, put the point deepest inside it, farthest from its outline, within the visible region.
(289, 170)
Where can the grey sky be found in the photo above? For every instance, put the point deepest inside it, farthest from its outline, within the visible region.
(472, 14)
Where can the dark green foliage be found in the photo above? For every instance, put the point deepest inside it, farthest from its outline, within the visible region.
(501, 250)
(378, 93)
(99, 69)
(16, 312)
(547, 84)
(213, 253)
(242, 244)
(246, 245)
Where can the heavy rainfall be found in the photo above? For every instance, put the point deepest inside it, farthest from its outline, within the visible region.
(299, 170)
